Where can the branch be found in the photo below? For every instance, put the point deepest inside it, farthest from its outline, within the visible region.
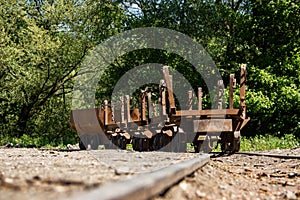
(237, 6)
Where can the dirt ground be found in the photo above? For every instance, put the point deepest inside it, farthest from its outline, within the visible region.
(242, 177)
(35, 174)
(48, 174)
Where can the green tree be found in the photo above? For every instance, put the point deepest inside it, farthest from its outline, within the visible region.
(42, 45)
(264, 34)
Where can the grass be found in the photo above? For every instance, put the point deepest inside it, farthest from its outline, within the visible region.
(38, 141)
(268, 142)
(257, 143)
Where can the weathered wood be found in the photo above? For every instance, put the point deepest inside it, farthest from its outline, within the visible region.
(86, 121)
(146, 185)
(206, 112)
(168, 79)
(213, 125)
(135, 115)
(239, 124)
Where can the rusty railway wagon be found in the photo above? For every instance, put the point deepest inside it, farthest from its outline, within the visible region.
(115, 126)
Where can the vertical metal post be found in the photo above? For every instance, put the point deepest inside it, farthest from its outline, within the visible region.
(232, 85)
(150, 106)
(143, 107)
(163, 102)
(122, 109)
(200, 95)
(105, 112)
(243, 90)
(112, 111)
(220, 94)
(127, 102)
(190, 100)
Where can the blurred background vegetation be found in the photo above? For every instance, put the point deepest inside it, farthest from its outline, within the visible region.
(43, 42)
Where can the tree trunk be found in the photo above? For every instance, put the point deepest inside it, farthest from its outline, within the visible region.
(22, 122)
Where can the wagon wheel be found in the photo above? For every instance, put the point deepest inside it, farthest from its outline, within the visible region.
(155, 138)
(201, 145)
(165, 142)
(158, 141)
(122, 143)
(89, 141)
(227, 142)
(181, 141)
(114, 139)
(236, 145)
(145, 144)
(134, 143)
(227, 147)
(197, 146)
(95, 141)
(138, 144)
(81, 144)
(235, 142)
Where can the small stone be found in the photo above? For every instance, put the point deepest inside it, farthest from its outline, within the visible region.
(219, 160)
(290, 195)
(200, 194)
(19, 145)
(292, 175)
(290, 184)
(8, 180)
(248, 170)
(139, 156)
(8, 145)
(222, 187)
(37, 177)
(122, 171)
(258, 165)
(183, 186)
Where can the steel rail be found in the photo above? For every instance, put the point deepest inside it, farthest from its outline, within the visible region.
(145, 186)
(218, 154)
(270, 155)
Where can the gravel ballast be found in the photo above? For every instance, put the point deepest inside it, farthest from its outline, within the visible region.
(48, 174)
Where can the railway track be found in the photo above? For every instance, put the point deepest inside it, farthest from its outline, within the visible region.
(147, 185)
(270, 155)
(218, 154)
(148, 174)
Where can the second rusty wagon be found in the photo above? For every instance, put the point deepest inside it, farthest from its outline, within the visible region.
(119, 125)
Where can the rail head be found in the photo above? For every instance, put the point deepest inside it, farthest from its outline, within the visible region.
(146, 185)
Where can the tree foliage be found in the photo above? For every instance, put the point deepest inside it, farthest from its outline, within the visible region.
(263, 34)
(43, 42)
(42, 46)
